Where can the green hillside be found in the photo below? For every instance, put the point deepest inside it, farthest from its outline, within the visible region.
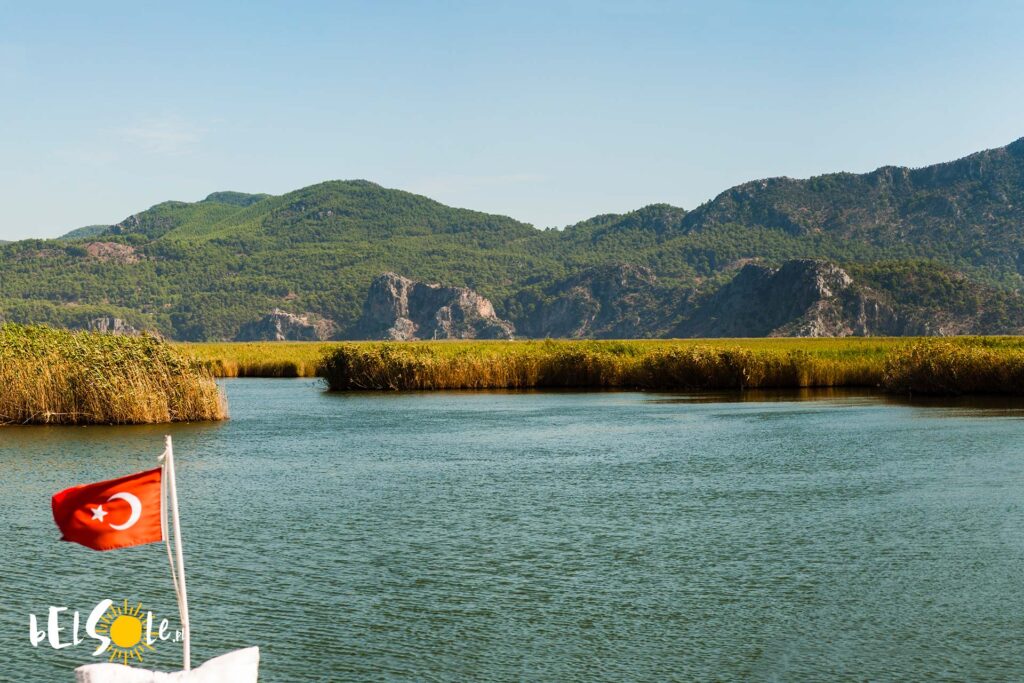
(199, 270)
(946, 238)
(84, 232)
(968, 213)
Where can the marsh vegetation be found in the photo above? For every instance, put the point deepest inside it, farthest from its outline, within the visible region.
(51, 376)
(899, 365)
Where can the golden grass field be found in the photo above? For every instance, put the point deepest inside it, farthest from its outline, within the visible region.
(916, 365)
(50, 376)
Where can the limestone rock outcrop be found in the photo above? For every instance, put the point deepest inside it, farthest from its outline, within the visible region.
(111, 251)
(401, 309)
(606, 302)
(112, 325)
(803, 298)
(280, 325)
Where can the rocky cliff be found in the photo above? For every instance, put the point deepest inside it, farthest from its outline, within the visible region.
(280, 325)
(609, 302)
(111, 325)
(401, 309)
(803, 298)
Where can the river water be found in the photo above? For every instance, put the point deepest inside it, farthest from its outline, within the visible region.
(549, 537)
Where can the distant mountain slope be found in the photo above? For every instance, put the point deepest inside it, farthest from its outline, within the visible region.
(206, 268)
(967, 212)
(84, 232)
(236, 198)
(183, 218)
(943, 245)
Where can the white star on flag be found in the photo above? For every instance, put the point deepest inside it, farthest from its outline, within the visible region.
(98, 512)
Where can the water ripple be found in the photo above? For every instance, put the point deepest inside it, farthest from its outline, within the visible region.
(552, 537)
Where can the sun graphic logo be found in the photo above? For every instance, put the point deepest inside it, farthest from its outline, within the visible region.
(127, 632)
(124, 626)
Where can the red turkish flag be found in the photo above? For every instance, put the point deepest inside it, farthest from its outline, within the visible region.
(111, 514)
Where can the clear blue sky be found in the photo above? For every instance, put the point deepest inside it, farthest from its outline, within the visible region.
(550, 111)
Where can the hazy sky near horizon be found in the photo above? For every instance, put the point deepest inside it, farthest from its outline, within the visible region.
(549, 112)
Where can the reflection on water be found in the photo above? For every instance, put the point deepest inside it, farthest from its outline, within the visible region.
(819, 535)
(768, 395)
(966, 406)
(950, 406)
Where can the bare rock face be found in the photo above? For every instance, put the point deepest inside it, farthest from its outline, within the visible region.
(401, 309)
(803, 298)
(111, 325)
(606, 302)
(280, 325)
(111, 251)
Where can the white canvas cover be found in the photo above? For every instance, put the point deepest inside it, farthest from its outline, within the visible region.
(240, 666)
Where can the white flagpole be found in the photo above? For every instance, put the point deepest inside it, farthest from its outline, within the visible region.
(179, 585)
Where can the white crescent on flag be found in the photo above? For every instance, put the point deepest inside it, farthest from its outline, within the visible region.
(136, 506)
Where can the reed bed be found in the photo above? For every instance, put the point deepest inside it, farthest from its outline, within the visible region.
(955, 367)
(50, 376)
(259, 359)
(595, 364)
(894, 364)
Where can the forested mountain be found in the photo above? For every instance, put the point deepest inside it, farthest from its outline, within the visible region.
(84, 231)
(941, 248)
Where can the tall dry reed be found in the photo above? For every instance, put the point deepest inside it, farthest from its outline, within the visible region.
(570, 364)
(955, 367)
(921, 365)
(50, 376)
(258, 359)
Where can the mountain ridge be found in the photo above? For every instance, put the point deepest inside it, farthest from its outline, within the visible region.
(946, 241)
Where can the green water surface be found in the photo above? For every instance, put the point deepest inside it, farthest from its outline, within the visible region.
(550, 537)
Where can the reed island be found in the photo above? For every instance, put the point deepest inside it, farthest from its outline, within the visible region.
(53, 376)
(899, 365)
